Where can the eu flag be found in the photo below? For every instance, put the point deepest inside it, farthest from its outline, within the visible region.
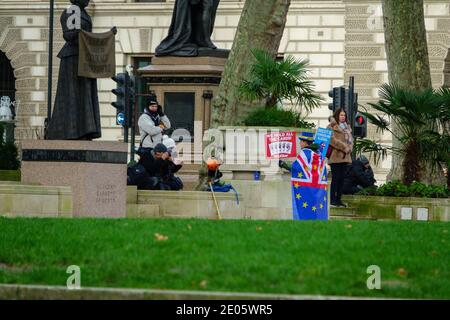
(309, 186)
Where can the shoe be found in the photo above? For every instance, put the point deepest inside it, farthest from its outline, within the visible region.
(334, 205)
(341, 204)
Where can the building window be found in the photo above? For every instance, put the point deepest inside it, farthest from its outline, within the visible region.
(180, 108)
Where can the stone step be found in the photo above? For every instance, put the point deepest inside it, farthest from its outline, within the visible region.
(188, 175)
(191, 171)
(189, 185)
(190, 167)
(333, 217)
(340, 211)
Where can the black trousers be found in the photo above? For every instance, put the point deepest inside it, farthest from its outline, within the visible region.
(337, 181)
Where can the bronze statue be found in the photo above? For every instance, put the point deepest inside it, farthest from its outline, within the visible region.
(191, 28)
(76, 112)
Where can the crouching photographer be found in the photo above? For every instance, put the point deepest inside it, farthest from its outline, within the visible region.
(147, 173)
(359, 176)
(159, 167)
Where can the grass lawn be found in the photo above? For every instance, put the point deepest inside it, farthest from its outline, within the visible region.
(329, 258)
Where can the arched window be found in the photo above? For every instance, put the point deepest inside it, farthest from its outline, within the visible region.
(7, 79)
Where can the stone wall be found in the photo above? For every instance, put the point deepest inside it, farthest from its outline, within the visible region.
(397, 208)
(365, 56)
(17, 200)
(339, 37)
(258, 200)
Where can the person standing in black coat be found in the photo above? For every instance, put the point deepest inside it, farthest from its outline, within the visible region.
(76, 114)
(359, 176)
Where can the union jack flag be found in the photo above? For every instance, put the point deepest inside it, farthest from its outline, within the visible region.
(309, 186)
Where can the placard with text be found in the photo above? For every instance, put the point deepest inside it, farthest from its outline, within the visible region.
(281, 145)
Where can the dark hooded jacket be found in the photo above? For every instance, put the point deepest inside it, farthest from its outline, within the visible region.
(357, 177)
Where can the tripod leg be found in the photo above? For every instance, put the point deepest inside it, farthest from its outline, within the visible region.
(219, 217)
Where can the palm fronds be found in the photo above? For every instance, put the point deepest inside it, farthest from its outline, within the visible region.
(422, 122)
(278, 80)
(376, 151)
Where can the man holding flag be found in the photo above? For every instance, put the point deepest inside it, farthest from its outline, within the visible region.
(309, 182)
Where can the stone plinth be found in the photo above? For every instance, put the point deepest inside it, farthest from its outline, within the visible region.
(95, 170)
(185, 87)
(198, 67)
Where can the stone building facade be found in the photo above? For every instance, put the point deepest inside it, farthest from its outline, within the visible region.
(340, 38)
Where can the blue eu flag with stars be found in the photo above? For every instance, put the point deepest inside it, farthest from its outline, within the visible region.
(309, 186)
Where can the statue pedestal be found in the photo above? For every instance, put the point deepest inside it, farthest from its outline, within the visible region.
(95, 170)
(173, 79)
(185, 87)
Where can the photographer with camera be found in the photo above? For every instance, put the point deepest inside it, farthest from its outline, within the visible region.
(156, 164)
(152, 124)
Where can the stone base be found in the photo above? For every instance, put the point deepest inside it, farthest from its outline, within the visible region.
(219, 53)
(196, 77)
(185, 204)
(17, 200)
(95, 171)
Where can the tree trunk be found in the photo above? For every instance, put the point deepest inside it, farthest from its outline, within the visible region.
(407, 56)
(272, 102)
(261, 26)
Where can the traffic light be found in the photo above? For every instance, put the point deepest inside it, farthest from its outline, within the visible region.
(338, 94)
(124, 98)
(360, 126)
(120, 103)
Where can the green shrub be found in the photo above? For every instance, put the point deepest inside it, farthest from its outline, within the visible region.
(370, 191)
(273, 117)
(10, 175)
(416, 189)
(394, 189)
(9, 157)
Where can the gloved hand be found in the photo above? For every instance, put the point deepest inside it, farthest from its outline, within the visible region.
(160, 111)
(167, 131)
(284, 165)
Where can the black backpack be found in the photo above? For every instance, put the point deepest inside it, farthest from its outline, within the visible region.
(137, 176)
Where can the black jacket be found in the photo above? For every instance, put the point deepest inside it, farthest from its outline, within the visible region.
(158, 167)
(357, 177)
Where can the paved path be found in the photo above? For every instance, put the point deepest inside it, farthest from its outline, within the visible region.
(38, 292)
